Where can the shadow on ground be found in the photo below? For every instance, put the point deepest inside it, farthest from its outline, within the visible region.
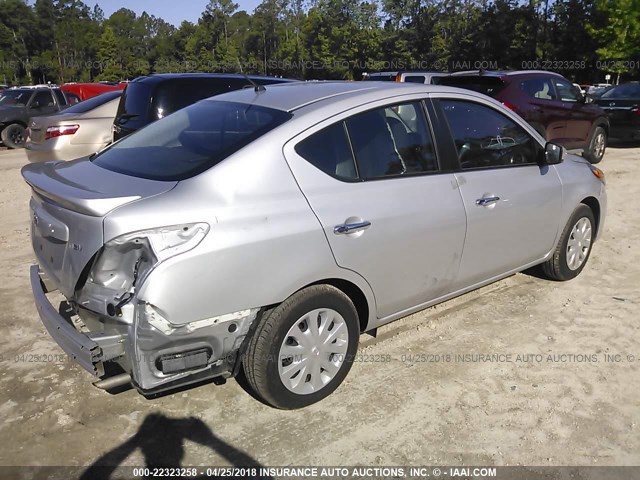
(161, 440)
(616, 143)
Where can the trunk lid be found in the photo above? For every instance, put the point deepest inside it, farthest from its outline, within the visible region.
(38, 125)
(67, 208)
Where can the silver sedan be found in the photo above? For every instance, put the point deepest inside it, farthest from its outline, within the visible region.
(266, 229)
(76, 132)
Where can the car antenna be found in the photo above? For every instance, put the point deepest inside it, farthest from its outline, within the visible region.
(256, 87)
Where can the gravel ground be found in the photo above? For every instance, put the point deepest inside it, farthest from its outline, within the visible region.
(569, 395)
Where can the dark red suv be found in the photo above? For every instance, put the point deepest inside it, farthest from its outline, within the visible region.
(548, 101)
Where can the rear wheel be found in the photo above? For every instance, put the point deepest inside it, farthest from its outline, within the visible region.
(303, 349)
(574, 248)
(597, 146)
(13, 136)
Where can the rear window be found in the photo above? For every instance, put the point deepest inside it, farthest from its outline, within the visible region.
(134, 103)
(190, 141)
(384, 77)
(490, 86)
(171, 96)
(629, 90)
(415, 79)
(93, 102)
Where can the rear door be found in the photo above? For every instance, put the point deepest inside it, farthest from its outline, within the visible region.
(545, 112)
(511, 202)
(388, 211)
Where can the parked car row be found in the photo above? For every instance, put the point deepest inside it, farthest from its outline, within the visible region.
(265, 228)
(75, 132)
(622, 105)
(568, 114)
(549, 102)
(19, 104)
(557, 109)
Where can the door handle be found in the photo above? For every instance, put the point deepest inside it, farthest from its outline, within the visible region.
(347, 228)
(485, 201)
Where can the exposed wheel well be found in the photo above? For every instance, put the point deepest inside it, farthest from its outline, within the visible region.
(355, 294)
(18, 122)
(594, 205)
(604, 125)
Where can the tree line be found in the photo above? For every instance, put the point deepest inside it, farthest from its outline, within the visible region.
(68, 41)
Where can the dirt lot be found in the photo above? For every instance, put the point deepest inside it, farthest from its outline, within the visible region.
(571, 408)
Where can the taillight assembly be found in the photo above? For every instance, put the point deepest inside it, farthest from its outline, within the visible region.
(53, 132)
(636, 111)
(510, 106)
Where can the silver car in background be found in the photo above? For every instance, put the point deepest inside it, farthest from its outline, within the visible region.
(267, 228)
(76, 132)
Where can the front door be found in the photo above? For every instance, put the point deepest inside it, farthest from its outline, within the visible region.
(511, 201)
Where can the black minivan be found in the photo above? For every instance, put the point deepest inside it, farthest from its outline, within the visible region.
(147, 99)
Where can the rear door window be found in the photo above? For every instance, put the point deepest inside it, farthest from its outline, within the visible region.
(486, 138)
(391, 141)
(42, 99)
(539, 88)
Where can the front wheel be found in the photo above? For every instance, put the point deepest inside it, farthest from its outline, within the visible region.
(303, 349)
(13, 136)
(574, 247)
(597, 146)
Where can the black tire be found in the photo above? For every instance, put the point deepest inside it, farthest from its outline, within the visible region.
(595, 150)
(260, 362)
(557, 267)
(13, 136)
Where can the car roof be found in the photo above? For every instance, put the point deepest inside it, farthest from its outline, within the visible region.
(503, 73)
(161, 77)
(316, 94)
(406, 72)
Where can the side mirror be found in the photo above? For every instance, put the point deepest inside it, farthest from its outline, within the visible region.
(552, 154)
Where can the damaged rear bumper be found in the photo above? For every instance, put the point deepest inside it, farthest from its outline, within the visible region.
(84, 350)
(156, 354)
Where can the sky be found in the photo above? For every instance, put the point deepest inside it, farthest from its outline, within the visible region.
(173, 11)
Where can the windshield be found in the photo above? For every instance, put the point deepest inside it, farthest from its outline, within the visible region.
(93, 102)
(190, 141)
(631, 90)
(15, 97)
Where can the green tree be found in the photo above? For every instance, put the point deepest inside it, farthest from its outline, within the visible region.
(618, 35)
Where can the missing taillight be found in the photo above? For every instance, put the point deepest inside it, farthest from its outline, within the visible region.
(59, 131)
